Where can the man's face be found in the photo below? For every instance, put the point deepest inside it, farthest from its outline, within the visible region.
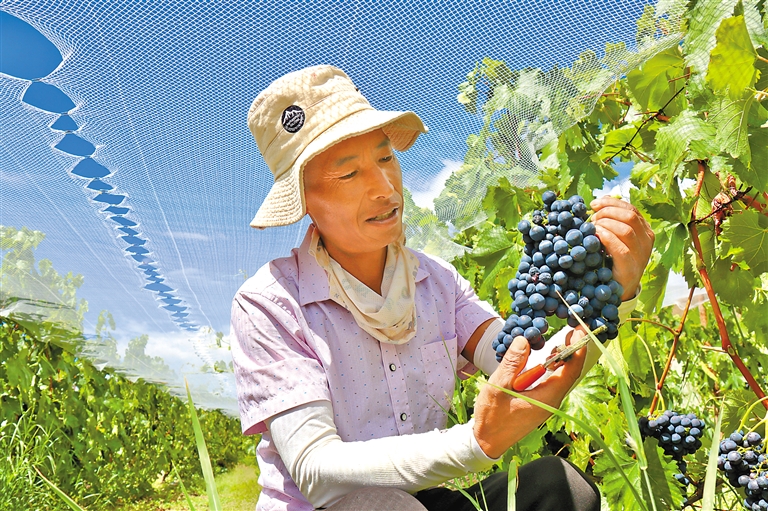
(354, 194)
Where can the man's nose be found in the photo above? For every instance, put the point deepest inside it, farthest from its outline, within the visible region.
(382, 185)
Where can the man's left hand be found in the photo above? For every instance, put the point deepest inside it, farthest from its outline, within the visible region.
(627, 238)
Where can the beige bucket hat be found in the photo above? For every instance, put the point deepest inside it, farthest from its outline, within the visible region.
(304, 113)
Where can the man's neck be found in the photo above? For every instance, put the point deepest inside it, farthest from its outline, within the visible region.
(368, 268)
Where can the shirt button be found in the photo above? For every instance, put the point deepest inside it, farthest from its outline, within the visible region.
(403, 416)
(392, 367)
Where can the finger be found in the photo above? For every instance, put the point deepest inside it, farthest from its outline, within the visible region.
(608, 201)
(621, 221)
(623, 231)
(613, 243)
(513, 362)
(623, 211)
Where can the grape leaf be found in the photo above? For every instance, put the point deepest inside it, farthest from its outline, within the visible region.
(732, 62)
(755, 173)
(580, 452)
(731, 118)
(615, 141)
(731, 285)
(614, 486)
(755, 319)
(673, 140)
(492, 242)
(666, 490)
(747, 236)
(634, 353)
(643, 173)
(654, 283)
(650, 82)
(704, 18)
(671, 242)
(503, 296)
(585, 166)
(758, 31)
(584, 401)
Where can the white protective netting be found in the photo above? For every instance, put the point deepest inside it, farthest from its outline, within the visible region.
(161, 90)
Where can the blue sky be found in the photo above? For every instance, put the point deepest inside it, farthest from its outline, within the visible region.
(158, 93)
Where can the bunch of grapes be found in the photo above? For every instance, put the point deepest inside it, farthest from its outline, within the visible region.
(563, 258)
(744, 460)
(678, 434)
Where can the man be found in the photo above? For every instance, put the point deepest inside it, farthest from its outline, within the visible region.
(347, 349)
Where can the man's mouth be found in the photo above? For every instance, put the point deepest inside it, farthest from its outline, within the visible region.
(384, 216)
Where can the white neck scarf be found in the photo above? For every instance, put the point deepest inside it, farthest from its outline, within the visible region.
(390, 317)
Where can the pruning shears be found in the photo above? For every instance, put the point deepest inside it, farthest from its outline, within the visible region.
(560, 355)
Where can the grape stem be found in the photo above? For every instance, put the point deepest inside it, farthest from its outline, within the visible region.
(675, 340)
(658, 116)
(724, 337)
(745, 418)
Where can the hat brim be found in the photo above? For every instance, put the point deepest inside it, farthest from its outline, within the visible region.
(285, 204)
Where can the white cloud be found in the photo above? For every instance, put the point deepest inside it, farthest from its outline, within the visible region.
(619, 189)
(424, 198)
(11, 179)
(195, 236)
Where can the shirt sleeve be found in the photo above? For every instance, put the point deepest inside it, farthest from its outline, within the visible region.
(471, 312)
(275, 368)
(325, 468)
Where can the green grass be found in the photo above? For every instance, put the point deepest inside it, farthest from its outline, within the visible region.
(238, 490)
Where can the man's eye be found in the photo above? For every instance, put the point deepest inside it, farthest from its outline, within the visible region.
(349, 176)
(387, 158)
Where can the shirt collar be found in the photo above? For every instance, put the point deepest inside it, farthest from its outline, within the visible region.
(313, 281)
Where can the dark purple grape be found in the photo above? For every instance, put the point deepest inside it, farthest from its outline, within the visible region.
(591, 243)
(537, 233)
(611, 313)
(536, 301)
(593, 260)
(574, 237)
(552, 260)
(546, 246)
(603, 292)
(578, 268)
(565, 219)
(561, 247)
(552, 218)
(578, 253)
(587, 229)
(604, 274)
(565, 261)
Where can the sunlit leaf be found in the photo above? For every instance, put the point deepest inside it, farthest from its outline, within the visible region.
(732, 62)
(704, 18)
(747, 234)
(650, 83)
(674, 139)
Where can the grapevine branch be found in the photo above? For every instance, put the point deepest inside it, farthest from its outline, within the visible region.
(657, 115)
(724, 337)
(675, 339)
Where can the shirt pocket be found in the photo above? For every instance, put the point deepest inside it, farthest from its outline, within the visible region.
(439, 359)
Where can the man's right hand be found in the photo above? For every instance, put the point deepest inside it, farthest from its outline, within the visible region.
(500, 419)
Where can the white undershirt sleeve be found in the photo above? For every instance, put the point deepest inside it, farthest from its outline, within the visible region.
(325, 468)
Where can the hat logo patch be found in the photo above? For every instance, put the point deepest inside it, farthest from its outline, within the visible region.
(293, 119)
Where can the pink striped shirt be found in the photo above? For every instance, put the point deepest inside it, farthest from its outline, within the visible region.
(293, 345)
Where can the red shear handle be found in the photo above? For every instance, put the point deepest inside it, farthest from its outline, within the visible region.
(527, 378)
